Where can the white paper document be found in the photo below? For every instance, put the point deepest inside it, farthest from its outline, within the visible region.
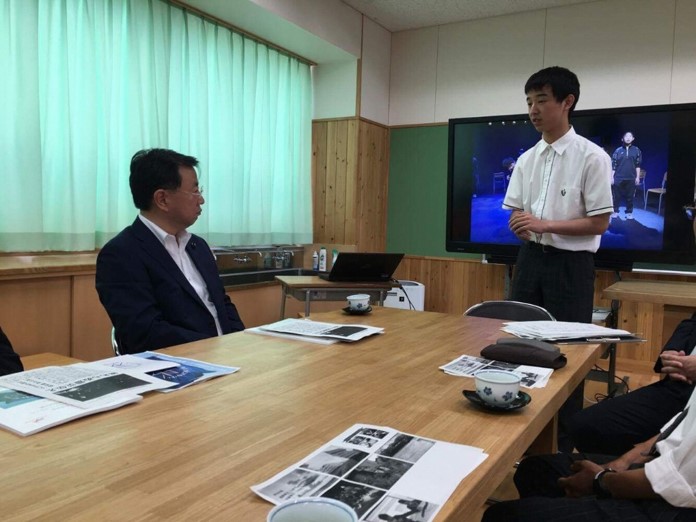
(315, 340)
(134, 363)
(381, 473)
(186, 371)
(80, 385)
(308, 328)
(26, 414)
(559, 330)
(468, 365)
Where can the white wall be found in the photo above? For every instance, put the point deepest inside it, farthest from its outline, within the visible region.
(625, 52)
(375, 71)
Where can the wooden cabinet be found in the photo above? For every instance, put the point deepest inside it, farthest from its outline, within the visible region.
(35, 314)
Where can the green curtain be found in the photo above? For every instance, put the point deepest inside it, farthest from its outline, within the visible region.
(87, 83)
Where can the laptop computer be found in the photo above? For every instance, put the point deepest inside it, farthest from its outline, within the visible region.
(363, 267)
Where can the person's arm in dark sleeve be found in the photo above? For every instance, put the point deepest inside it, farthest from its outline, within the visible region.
(9, 360)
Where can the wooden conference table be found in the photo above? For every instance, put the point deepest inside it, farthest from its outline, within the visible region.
(194, 453)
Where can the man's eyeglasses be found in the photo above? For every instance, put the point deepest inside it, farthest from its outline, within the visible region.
(196, 193)
(690, 211)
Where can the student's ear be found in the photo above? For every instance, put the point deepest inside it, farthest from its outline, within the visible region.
(569, 101)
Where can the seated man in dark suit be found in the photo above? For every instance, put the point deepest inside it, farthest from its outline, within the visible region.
(9, 360)
(614, 426)
(159, 283)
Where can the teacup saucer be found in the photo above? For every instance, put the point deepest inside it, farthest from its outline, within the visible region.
(350, 311)
(520, 401)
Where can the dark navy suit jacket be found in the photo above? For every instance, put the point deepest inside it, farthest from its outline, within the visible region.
(9, 360)
(149, 300)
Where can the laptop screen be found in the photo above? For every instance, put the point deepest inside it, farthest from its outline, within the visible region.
(363, 266)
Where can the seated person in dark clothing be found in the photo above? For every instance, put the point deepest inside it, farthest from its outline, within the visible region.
(158, 282)
(614, 426)
(9, 360)
(654, 481)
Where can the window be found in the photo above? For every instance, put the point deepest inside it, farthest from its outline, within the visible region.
(89, 82)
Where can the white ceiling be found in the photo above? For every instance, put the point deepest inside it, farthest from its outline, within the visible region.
(399, 15)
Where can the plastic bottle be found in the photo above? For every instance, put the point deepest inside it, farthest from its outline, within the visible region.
(315, 261)
(322, 259)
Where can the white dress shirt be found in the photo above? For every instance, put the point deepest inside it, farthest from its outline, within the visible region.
(176, 247)
(567, 179)
(673, 474)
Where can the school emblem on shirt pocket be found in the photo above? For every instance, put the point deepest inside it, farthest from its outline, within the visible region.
(563, 192)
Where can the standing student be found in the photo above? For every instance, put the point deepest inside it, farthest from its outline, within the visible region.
(560, 197)
(625, 174)
(158, 282)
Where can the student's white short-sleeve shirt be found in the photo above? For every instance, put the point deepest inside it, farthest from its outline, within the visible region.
(567, 179)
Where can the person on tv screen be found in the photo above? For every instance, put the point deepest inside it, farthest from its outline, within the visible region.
(508, 166)
(625, 174)
(560, 197)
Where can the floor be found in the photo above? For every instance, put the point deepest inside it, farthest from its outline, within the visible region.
(636, 374)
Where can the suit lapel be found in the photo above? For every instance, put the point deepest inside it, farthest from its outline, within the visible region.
(157, 251)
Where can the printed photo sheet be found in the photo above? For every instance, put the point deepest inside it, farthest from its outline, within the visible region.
(186, 371)
(383, 474)
(468, 365)
(26, 414)
(81, 385)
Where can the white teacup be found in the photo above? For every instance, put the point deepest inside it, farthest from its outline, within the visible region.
(312, 510)
(497, 387)
(358, 302)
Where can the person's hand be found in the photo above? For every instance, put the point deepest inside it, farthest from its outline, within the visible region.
(637, 181)
(580, 483)
(678, 366)
(523, 224)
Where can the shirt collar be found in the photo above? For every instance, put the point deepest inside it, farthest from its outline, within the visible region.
(182, 238)
(561, 144)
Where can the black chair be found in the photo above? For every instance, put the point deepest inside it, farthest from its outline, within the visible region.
(510, 310)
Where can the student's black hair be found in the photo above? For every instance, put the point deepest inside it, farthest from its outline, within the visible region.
(562, 82)
(154, 169)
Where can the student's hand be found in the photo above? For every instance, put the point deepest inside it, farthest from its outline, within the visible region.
(523, 223)
(637, 181)
(678, 366)
(580, 483)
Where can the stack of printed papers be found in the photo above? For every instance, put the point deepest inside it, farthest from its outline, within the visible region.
(36, 400)
(561, 330)
(468, 365)
(382, 473)
(307, 329)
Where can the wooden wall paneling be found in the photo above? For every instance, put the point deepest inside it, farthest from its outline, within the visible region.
(35, 314)
(453, 285)
(373, 175)
(340, 182)
(330, 188)
(319, 163)
(352, 191)
(257, 305)
(91, 326)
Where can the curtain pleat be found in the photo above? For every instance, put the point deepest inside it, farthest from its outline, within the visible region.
(89, 82)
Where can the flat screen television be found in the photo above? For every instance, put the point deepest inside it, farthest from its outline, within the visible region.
(482, 149)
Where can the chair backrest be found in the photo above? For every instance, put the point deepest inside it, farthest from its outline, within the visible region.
(510, 310)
